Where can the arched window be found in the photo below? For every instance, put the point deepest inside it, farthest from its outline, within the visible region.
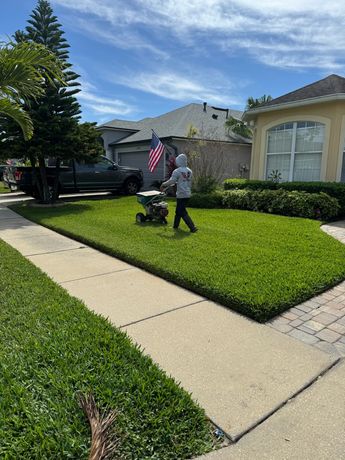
(294, 151)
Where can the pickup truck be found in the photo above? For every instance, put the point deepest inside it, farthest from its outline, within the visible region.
(79, 176)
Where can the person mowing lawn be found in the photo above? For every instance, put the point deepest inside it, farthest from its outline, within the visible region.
(182, 177)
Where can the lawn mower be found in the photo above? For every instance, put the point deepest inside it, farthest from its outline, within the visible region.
(155, 208)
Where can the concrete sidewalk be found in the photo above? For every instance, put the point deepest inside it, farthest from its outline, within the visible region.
(238, 370)
(310, 427)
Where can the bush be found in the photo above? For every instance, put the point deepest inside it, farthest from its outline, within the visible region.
(286, 203)
(231, 184)
(205, 184)
(333, 189)
(206, 200)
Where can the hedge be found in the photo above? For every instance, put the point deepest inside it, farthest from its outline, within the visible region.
(206, 200)
(283, 202)
(333, 189)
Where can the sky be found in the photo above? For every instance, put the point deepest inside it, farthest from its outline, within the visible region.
(143, 58)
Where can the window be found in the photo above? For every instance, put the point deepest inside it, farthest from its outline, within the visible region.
(294, 150)
(104, 165)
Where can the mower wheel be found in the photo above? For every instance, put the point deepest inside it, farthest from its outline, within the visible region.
(140, 218)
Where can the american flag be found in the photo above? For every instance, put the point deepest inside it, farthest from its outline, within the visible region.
(156, 150)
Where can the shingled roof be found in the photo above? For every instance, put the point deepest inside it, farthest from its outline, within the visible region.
(122, 124)
(210, 122)
(331, 85)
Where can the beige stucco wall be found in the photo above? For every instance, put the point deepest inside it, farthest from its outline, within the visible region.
(332, 114)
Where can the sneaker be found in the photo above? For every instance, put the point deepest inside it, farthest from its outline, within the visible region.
(194, 230)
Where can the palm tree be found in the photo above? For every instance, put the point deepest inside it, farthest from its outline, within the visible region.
(23, 68)
(237, 126)
(252, 103)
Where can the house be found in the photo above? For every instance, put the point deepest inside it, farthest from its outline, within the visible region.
(301, 135)
(128, 142)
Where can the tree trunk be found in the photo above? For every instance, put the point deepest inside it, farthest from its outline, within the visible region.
(45, 195)
(35, 181)
(55, 191)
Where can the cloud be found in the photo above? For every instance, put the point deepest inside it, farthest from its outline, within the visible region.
(295, 34)
(103, 105)
(118, 37)
(179, 87)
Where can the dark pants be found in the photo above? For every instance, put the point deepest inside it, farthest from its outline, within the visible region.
(181, 212)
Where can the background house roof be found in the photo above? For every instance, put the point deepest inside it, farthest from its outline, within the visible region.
(333, 84)
(210, 124)
(122, 124)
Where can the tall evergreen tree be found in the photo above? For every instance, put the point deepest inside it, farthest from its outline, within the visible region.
(55, 115)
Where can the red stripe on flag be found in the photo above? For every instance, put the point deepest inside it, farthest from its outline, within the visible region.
(155, 161)
(154, 156)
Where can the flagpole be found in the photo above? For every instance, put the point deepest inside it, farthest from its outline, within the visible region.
(164, 163)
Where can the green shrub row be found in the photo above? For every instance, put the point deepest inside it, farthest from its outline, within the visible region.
(333, 189)
(206, 200)
(283, 202)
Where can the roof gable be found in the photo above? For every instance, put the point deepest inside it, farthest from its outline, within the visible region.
(209, 120)
(333, 84)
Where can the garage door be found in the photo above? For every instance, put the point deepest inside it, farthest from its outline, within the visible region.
(140, 160)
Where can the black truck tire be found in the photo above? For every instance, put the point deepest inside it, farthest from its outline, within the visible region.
(131, 186)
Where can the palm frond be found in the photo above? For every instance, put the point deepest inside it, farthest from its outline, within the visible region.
(23, 68)
(13, 110)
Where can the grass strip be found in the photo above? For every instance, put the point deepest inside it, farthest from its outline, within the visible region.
(51, 348)
(258, 264)
(4, 189)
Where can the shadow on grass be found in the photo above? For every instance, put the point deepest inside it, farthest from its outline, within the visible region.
(90, 197)
(176, 235)
(35, 213)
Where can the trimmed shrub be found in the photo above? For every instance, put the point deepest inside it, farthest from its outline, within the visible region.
(206, 200)
(231, 184)
(333, 189)
(283, 202)
(205, 184)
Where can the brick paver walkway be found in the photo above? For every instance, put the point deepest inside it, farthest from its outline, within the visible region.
(321, 320)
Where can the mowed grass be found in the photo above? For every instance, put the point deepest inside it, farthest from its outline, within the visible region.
(255, 263)
(51, 348)
(3, 189)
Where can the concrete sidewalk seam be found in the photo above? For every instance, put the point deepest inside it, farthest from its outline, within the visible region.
(164, 313)
(265, 417)
(98, 274)
(53, 252)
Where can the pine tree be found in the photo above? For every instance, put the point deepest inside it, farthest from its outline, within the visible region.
(55, 115)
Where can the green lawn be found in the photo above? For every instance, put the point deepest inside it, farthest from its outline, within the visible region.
(3, 189)
(51, 348)
(255, 263)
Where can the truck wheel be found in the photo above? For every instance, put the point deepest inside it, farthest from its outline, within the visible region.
(140, 218)
(131, 187)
